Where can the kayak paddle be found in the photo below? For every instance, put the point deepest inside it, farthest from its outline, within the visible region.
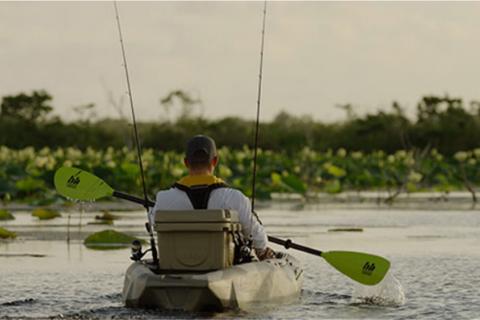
(77, 184)
(364, 268)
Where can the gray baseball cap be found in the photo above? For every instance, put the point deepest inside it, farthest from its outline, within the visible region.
(201, 148)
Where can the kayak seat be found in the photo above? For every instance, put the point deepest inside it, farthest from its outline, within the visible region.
(196, 240)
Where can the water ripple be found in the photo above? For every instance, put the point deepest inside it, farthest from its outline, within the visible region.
(434, 258)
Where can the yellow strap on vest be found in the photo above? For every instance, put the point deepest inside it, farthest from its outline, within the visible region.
(189, 181)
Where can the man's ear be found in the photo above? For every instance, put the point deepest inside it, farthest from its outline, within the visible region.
(215, 161)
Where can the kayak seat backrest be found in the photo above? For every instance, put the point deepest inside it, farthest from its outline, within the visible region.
(196, 240)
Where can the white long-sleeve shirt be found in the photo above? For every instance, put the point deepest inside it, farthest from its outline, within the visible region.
(222, 198)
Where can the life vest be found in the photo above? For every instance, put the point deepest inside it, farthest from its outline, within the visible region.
(198, 188)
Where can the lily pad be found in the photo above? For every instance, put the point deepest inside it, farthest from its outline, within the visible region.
(108, 239)
(295, 183)
(334, 170)
(333, 186)
(7, 234)
(6, 215)
(45, 214)
(288, 182)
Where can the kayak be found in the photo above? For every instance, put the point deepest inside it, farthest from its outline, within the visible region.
(199, 267)
(270, 281)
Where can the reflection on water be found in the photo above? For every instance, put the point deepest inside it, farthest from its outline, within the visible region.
(434, 274)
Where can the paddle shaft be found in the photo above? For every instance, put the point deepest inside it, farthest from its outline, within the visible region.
(125, 196)
(286, 243)
(290, 244)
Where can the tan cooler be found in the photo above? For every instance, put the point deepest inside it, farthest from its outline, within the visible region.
(196, 240)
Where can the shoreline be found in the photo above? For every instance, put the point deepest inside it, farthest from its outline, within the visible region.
(363, 199)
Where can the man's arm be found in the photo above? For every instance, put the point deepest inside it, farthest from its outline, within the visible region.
(151, 213)
(250, 224)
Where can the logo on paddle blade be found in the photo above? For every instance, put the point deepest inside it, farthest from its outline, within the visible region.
(73, 182)
(368, 268)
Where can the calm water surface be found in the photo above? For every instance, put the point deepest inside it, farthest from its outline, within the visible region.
(435, 273)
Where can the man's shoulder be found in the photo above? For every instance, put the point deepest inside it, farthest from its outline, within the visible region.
(226, 188)
(167, 193)
(231, 193)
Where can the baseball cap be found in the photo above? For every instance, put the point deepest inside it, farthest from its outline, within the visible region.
(201, 148)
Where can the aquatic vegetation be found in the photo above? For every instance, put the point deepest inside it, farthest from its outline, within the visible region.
(101, 222)
(45, 214)
(345, 230)
(16, 255)
(6, 215)
(7, 234)
(27, 174)
(107, 217)
(108, 239)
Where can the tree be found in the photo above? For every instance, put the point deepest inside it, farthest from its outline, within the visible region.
(187, 102)
(85, 112)
(31, 108)
(445, 124)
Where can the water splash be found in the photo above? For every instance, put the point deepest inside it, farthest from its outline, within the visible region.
(389, 292)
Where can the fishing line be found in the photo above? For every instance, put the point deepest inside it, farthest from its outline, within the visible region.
(257, 123)
(137, 142)
(135, 130)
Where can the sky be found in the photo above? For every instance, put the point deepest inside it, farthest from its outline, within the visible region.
(318, 55)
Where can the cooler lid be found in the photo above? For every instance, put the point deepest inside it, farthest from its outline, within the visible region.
(195, 216)
(195, 227)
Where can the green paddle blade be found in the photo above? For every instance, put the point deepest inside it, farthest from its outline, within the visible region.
(77, 184)
(362, 267)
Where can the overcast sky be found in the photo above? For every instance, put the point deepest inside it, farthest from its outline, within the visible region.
(317, 54)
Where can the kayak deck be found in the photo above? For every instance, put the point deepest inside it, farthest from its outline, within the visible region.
(268, 281)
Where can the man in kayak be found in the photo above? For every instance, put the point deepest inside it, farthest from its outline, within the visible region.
(201, 189)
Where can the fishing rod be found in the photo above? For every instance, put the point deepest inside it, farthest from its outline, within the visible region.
(257, 122)
(135, 130)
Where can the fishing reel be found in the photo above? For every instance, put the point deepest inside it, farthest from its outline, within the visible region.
(243, 249)
(137, 253)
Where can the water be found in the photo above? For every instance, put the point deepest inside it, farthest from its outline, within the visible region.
(434, 275)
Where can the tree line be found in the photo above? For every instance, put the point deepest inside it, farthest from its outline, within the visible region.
(441, 122)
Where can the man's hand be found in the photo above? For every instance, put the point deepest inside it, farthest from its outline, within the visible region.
(266, 253)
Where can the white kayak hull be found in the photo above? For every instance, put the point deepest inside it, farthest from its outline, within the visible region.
(237, 287)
